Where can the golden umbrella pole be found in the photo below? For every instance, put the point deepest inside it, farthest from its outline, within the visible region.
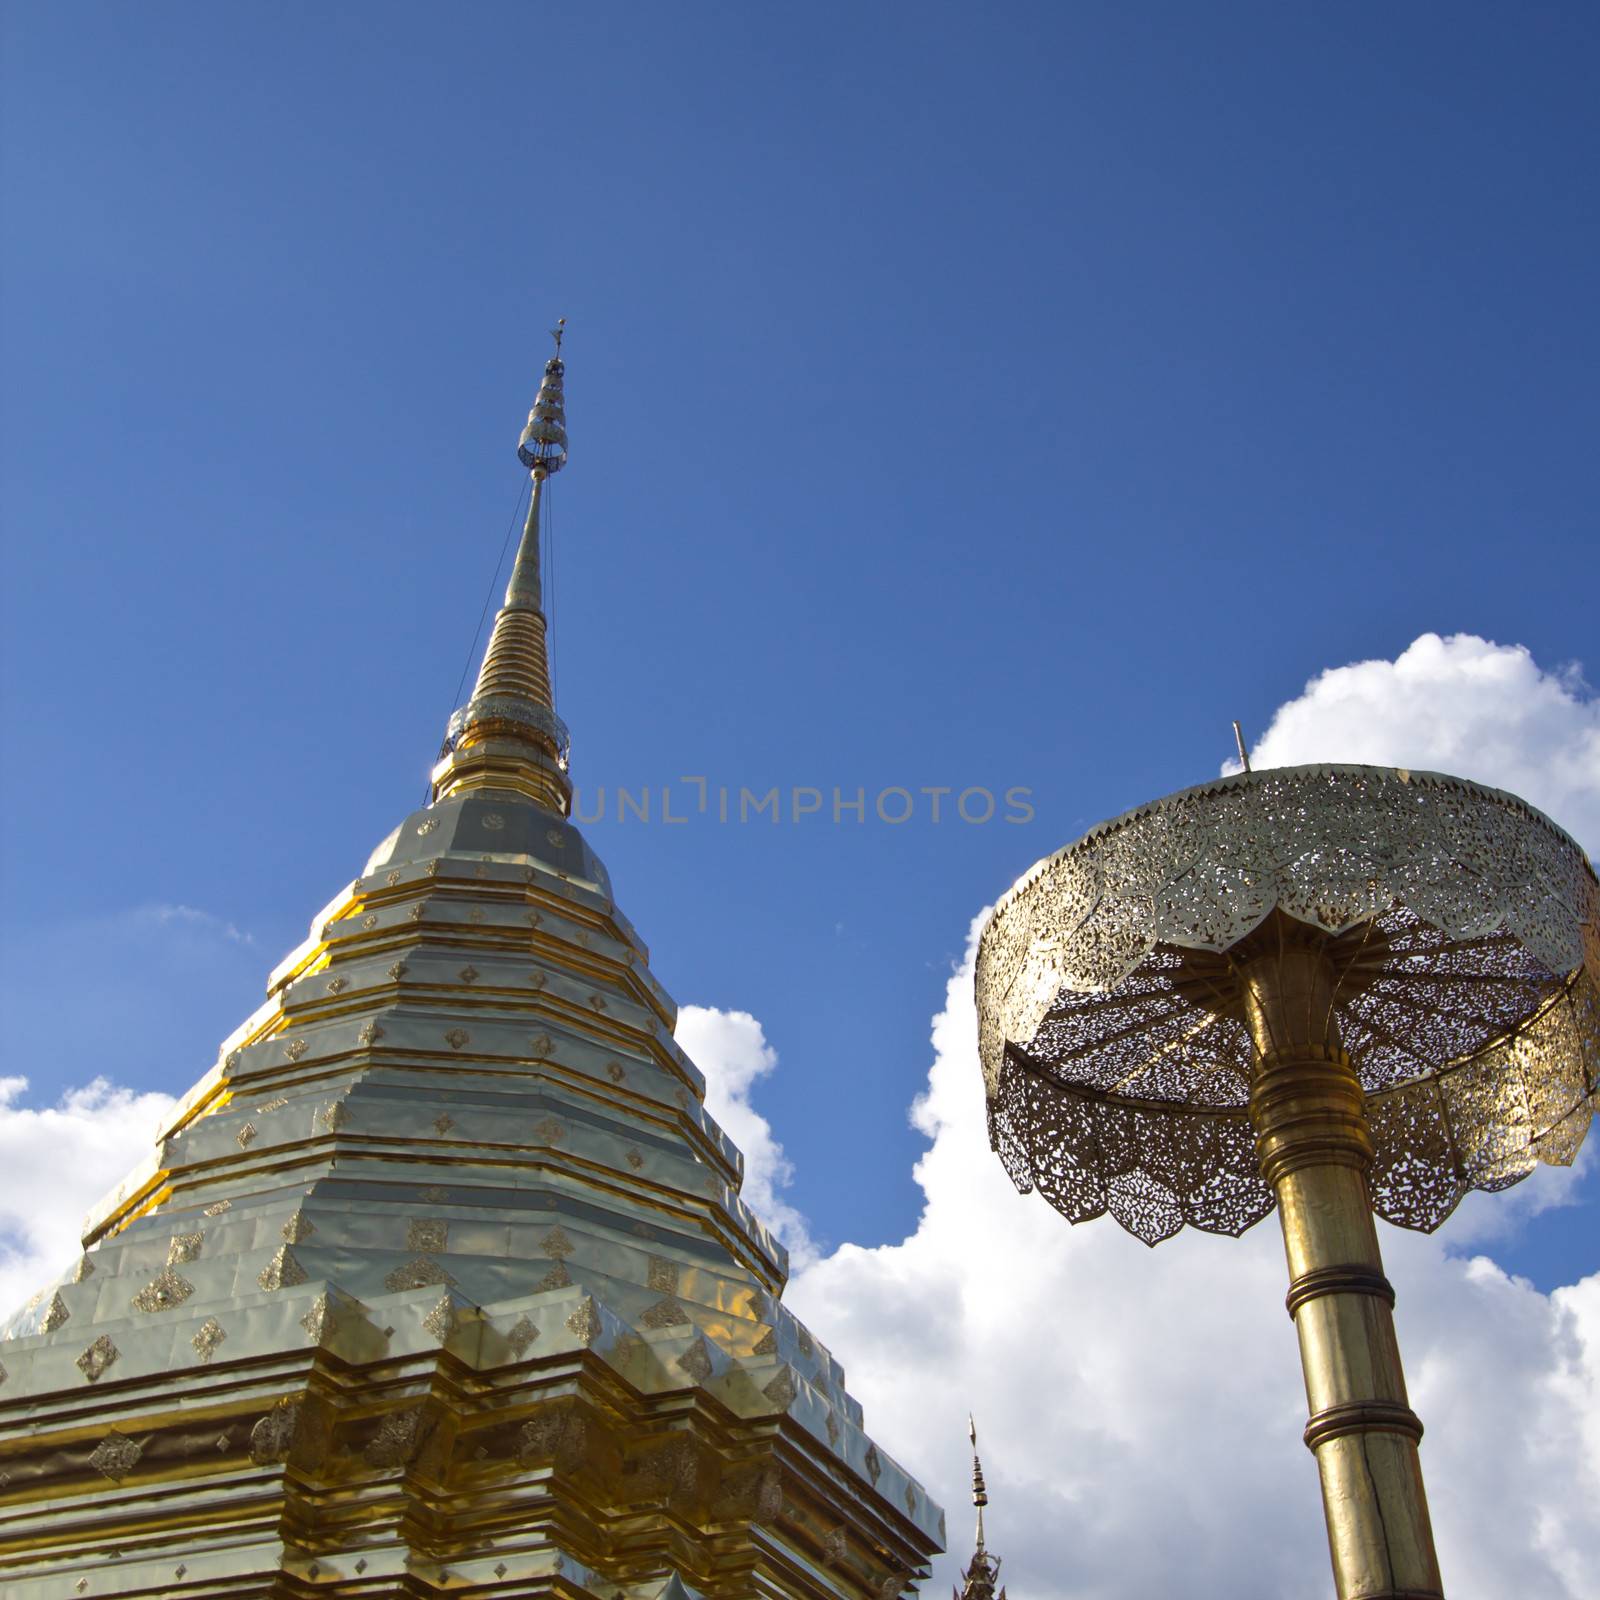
(1306, 1107)
(1337, 990)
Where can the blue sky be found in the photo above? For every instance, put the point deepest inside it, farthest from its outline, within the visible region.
(958, 397)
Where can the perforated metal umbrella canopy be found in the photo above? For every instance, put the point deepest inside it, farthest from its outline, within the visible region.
(1463, 927)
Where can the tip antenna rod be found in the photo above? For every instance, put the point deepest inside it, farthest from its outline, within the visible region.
(1238, 739)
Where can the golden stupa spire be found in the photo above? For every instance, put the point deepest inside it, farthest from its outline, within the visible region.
(508, 736)
(443, 1266)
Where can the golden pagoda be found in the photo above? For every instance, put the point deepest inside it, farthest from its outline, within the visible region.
(439, 1281)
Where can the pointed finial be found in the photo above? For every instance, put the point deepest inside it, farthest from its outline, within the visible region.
(1238, 739)
(983, 1571)
(980, 1495)
(543, 445)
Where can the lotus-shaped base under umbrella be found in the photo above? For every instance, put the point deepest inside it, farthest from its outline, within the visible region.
(1333, 989)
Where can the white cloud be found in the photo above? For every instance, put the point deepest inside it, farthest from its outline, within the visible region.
(58, 1161)
(733, 1051)
(169, 981)
(1461, 705)
(167, 916)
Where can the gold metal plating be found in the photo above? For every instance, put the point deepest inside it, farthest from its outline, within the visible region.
(490, 758)
(1337, 1280)
(1315, 1151)
(503, 752)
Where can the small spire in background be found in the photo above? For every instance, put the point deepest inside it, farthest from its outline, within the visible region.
(980, 1495)
(1238, 739)
(983, 1571)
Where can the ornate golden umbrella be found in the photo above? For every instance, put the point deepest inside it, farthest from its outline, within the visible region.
(1335, 989)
